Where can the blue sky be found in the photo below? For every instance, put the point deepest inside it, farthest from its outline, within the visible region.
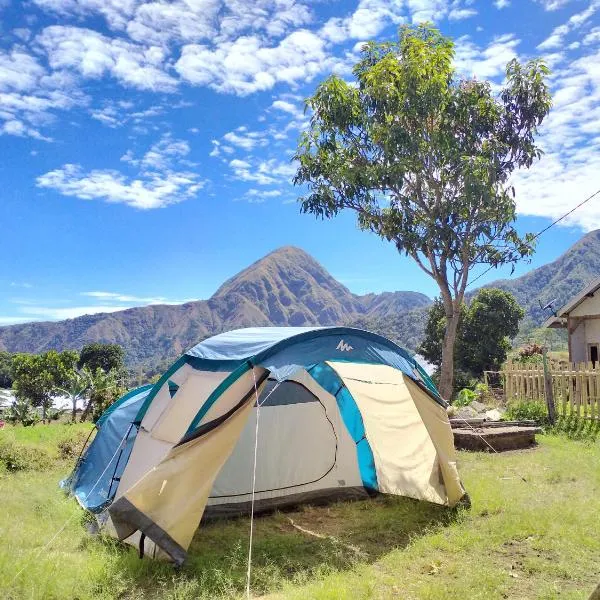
(146, 145)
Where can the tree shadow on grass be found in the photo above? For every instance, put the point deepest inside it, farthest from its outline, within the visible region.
(294, 546)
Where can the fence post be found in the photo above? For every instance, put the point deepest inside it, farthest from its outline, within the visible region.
(548, 392)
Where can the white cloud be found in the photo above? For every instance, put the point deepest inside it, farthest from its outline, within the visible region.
(21, 284)
(427, 10)
(183, 21)
(592, 37)
(570, 137)
(129, 299)
(160, 23)
(558, 35)
(287, 107)
(22, 33)
(246, 65)
(14, 320)
(368, 20)
(162, 154)
(458, 14)
(29, 95)
(500, 4)
(486, 62)
(553, 4)
(247, 140)
(160, 180)
(263, 172)
(116, 12)
(108, 302)
(254, 196)
(93, 55)
(147, 191)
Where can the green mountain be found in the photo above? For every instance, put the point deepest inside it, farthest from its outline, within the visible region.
(286, 287)
(558, 280)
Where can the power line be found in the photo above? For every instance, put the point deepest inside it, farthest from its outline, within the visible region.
(537, 235)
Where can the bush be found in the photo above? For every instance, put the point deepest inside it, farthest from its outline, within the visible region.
(530, 353)
(18, 457)
(527, 410)
(22, 412)
(575, 428)
(53, 414)
(70, 447)
(465, 397)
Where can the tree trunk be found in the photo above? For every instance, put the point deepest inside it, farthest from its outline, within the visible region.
(447, 369)
(86, 410)
(74, 413)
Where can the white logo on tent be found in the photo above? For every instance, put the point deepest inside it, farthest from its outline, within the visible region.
(343, 347)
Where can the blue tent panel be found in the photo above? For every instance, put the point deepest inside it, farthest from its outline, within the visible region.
(328, 379)
(94, 481)
(283, 350)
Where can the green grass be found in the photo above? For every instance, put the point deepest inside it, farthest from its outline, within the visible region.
(46, 437)
(532, 532)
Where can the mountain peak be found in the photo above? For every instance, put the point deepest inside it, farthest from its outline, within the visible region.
(289, 287)
(289, 251)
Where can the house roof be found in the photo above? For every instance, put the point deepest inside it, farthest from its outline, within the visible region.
(559, 320)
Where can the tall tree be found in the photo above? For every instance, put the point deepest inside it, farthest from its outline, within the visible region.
(105, 388)
(77, 386)
(485, 329)
(492, 321)
(39, 377)
(102, 356)
(6, 376)
(424, 159)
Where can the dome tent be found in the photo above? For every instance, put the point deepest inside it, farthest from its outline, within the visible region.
(343, 413)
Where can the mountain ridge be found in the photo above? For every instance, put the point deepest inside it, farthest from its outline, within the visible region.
(289, 287)
(285, 287)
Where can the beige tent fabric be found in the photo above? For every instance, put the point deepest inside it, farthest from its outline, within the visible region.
(167, 420)
(435, 419)
(191, 395)
(163, 399)
(234, 393)
(173, 495)
(408, 432)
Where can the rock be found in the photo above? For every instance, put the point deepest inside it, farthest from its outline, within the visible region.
(465, 412)
(493, 415)
(478, 406)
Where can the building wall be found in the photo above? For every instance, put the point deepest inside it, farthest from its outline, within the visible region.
(590, 306)
(587, 331)
(577, 344)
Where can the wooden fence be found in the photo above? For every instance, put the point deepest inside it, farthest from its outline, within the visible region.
(575, 387)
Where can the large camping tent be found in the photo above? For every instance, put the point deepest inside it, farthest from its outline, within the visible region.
(269, 416)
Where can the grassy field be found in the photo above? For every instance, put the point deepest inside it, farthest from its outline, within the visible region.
(532, 532)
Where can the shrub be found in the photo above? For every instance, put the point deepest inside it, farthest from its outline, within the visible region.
(19, 457)
(465, 397)
(530, 353)
(575, 428)
(22, 412)
(53, 414)
(70, 447)
(527, 410)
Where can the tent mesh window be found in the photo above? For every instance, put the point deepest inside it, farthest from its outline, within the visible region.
(287, 392)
